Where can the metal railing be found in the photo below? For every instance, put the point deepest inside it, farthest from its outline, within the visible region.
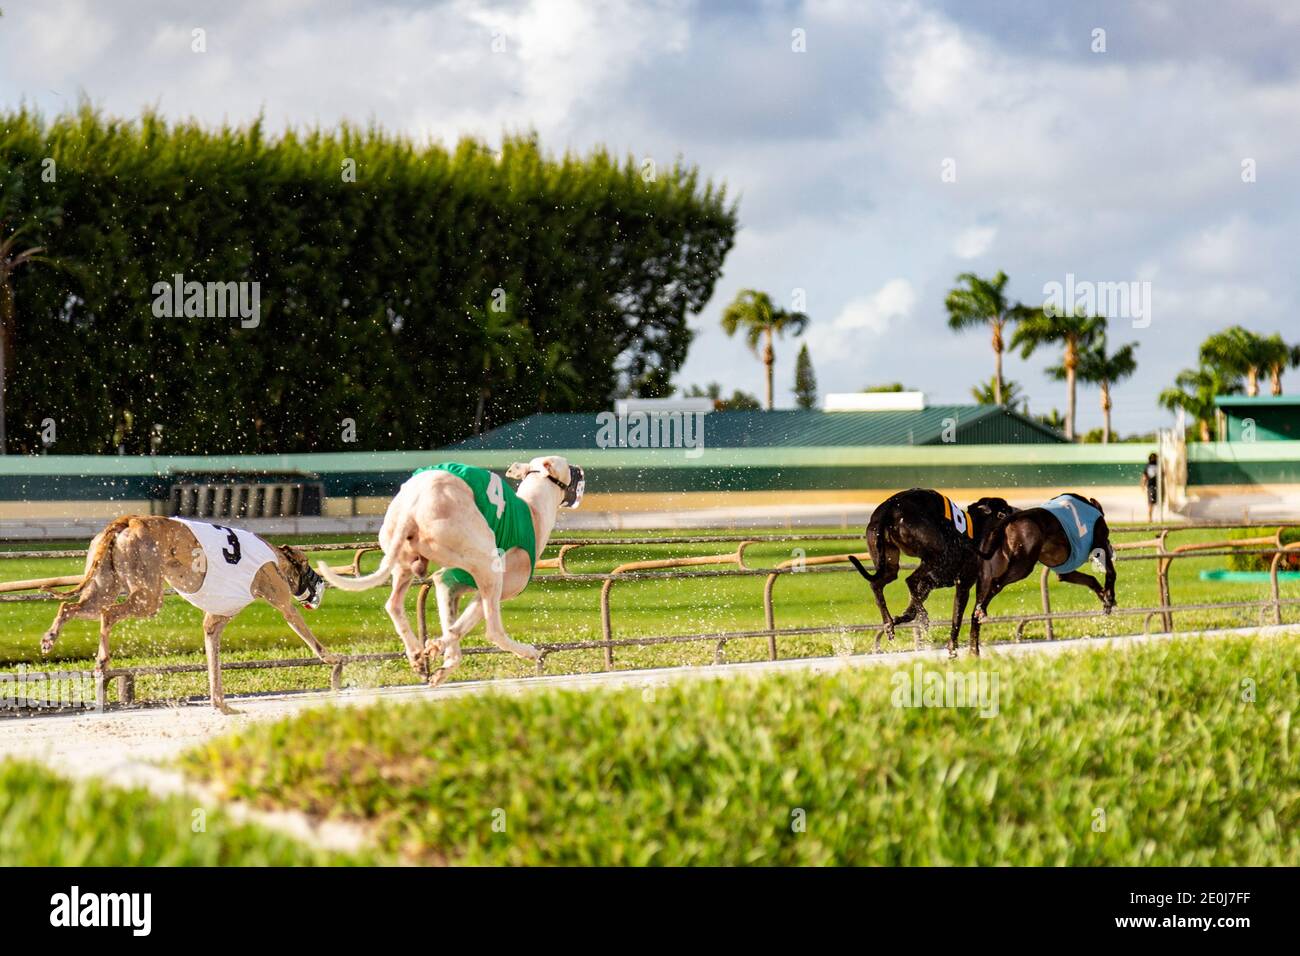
(729, 564)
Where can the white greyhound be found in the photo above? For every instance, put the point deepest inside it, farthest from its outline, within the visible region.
(481, 533)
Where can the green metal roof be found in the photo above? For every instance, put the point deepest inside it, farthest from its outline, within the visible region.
(1256, 400)
(985, 424)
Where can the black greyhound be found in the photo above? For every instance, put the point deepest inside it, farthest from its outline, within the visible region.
(1063, 534)
(924, 524)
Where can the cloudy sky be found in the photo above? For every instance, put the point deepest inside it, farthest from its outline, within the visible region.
(877, 147)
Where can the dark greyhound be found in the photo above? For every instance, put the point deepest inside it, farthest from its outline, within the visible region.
(1062, 534)
(924, 524)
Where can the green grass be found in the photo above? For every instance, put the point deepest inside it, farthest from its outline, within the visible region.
(555, 610)
(46, 820)
(1155, 745)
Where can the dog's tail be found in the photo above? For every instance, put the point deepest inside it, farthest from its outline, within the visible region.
(879, 533)
(103, 552)
(349, 583)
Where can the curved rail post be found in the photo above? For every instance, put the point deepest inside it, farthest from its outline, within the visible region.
(1047, 603)
(356, 559)
(791, 567)
(736, 557)
(1167, 557)
(557, 563)
(1273, 569)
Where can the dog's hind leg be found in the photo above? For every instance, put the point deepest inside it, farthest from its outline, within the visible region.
(919, 584)
(213, 625)
(886, 561)
(141, 602)
(396, 608)
(94, 597)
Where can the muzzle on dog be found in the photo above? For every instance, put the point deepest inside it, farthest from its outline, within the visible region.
(573, 490)
(311, 589)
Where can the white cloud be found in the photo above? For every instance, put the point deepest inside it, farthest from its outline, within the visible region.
(1112, 167)
(974, 242)
(861, 322)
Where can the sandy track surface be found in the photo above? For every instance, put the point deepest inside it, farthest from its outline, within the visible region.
(99, 744)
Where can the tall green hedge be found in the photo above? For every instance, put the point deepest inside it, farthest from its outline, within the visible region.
(377, 296)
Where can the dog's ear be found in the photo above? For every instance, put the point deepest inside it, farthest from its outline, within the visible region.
(517, 470)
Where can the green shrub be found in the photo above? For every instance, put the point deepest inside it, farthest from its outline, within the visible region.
(46, 820)
(1154, 744)
(370, 289)
(1262, 562)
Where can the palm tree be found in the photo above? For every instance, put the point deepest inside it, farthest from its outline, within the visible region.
(762, 321)
(1278, 357)
(1194, 390)
(1238, 351)
(982, 302)
(1053, 419)
(499, 343)
(10, 260)
(1096, 367)
(558, 376)
(986, 393)
(1075, 333)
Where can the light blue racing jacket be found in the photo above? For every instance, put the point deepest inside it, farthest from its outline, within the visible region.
(1078, 520)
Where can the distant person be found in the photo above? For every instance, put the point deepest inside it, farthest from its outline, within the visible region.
(1151, 482)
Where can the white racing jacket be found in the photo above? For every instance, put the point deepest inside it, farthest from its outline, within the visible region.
(232, 559)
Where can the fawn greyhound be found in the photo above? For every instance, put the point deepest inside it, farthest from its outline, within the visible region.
(219, 570)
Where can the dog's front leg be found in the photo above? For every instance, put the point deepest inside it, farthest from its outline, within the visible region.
(491, 585)
(213, 625)
(396, 608)
(1089, 582)
(961, 595)
(293, 617)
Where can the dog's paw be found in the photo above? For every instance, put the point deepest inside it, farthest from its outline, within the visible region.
(47, 643)
(530, 653)
(438, 676)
